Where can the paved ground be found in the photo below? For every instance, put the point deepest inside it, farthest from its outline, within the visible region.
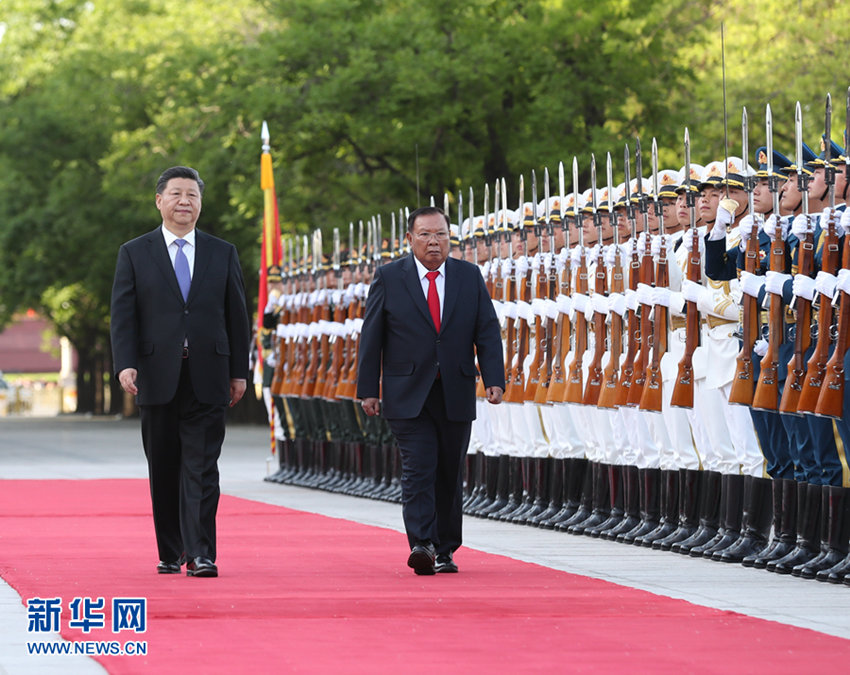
(85, 448)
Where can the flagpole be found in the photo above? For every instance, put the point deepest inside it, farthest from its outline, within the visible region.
(270, 255)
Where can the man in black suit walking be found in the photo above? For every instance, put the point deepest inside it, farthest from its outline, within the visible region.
(427, 315)
(180, 341)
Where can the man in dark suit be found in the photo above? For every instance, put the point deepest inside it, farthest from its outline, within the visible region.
(426, 317)
(180, 342)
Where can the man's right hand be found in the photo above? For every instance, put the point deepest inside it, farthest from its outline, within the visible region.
(127, 378)
(371, 406)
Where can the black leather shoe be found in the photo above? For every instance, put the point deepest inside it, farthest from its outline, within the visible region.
(445, 564)
(201, 567)
(421, 558)
(168, 567)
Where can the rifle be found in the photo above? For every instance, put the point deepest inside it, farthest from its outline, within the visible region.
(744, 381)
(282, 342)
(802, 307)
(549, 291)
(319, 313)
(516, 385)
(766, 396)
(610, 388)
(651, 396)
(645, 276)
(595, 373)
(633, 341)
(335, 341)
(683, 390)
(831, 399)
(575, 388)
(816, 368)
(348, 381)
(557, 382)
(540, 293)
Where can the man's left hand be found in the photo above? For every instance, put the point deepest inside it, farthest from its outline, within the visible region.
(237, 390)
(494, 395)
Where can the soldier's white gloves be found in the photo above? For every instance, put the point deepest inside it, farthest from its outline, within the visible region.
(746, 228)
(618, 303)
(843, 280)
(802, 225)
(845, 222)
(804, 287)
(644, 294)
(691, 291)
(774, 282)
(656, 244)
(600, 303)
(661, 296)
(724, 217)
(751, 284)
(825, 284)
(688, 243)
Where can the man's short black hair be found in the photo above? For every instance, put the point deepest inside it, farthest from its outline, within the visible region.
(178, 172)
(424, 211)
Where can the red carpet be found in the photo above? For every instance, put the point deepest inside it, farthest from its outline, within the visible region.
(306, 593)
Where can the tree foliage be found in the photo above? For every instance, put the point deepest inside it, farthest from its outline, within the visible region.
(373, 105)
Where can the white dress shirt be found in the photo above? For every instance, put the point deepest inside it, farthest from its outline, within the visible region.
(188, 247)
(440, 280)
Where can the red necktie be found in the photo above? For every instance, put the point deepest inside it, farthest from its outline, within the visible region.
(433, 298)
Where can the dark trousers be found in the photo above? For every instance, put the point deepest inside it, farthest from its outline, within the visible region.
(432, 454)
(182, 441)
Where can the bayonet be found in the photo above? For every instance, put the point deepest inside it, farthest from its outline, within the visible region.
(802, 177)
(392, 236)
(772, 182)
(829, 170)
(563, 196)
(659, 213)
(690, 198)
(847, 137)
(642, 201)
(486, 213)
(521, 211)
(534, 201)
(336, 265)
(461, 238)
(609, 175)
(575, 202)
(745, 162)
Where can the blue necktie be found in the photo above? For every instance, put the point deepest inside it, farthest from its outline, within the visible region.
(181, 268)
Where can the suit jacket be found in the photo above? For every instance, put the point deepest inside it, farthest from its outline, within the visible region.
(150, 320)
(398, 340)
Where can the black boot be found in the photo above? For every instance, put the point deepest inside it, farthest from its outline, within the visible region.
(539, 488)
(785, 538)
(755, 526)
(526, 467)
(556, 492)
(585, 500)
(631, 504)
(501, 468)
(735, 499)
(484, 491)
(514, 490)
(575, 469)
(616, 499)
(689, 484)
(699, 551)
(473, 483)
(650, 506)
(601, 504)
(841, 570)
(777, 486)
(709, 513)
(669, 509)
(835, 544)
(808, 533)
